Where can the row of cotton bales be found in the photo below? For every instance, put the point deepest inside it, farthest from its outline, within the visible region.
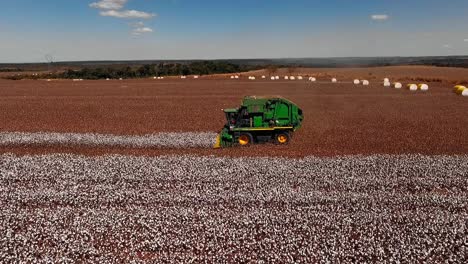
(234, 76)
(461, 90)
(274, 78)
(363, 82)
(417, 87)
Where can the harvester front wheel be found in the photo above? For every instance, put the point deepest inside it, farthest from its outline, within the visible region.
(245, 139)
(282, 138)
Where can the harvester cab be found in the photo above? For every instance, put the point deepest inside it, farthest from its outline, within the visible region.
(259, 120)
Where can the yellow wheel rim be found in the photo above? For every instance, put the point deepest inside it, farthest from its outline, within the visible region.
(282, 139)
(244, 140)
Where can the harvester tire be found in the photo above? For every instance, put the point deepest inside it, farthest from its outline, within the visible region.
(245, 139)
(282, 138)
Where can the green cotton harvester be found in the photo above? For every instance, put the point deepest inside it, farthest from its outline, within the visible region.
(259, 120)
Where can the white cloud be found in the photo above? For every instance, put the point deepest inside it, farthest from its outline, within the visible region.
(141, 30)
(127, 14)
(109, 4)
(381, 17)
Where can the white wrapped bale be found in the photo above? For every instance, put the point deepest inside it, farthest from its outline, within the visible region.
(356, 81)
(465, 93)
(423, 87)
(196, 77)
(292, 78)
(398, 85)
(277, 77)
(286, 77)
(387, 84)
(273, 78)
(232, 77)
(263, 77)
(299, 78)
(312, 79)
(365, 83)
(236, 77)
(334, 80)
(386, 80)
(412, 87)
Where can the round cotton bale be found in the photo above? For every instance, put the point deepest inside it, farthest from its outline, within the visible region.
(236, 77)
(387, 84)
(286, 77)
(356, 81)
(107, 79)
(277, 77)
(272, 78)
(154, 78)
(253, 78)
(263, 77)
(386, 80)
(292, 78)
(312, 79)
(299, 78)
(195, 77)
(457, 87)
(398, 85)
(464, 92)
(412, 87)
(232, 77)
(120, 79)
(423, 87)
(365, 82)
(334, 80)
(460, 89)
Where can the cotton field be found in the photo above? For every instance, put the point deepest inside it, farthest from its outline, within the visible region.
(115, 209)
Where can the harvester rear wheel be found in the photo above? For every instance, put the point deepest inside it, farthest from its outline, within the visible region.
(282, 138)
(245, 139)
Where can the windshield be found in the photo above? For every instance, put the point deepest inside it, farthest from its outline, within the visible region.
(231, 118)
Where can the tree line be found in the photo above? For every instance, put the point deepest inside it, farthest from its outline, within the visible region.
(151, 70)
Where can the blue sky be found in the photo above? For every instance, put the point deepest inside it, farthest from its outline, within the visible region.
(208, 29)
